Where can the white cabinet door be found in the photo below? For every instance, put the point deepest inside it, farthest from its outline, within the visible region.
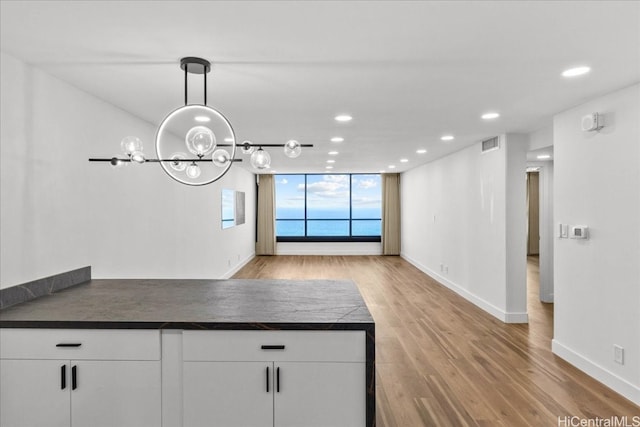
(32, 393)
(228, 394)
(116, 394)
(320, 394)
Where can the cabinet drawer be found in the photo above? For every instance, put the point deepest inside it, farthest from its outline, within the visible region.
(316, 346)
(95, 344)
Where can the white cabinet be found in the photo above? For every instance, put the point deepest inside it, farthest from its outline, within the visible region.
(31, 394)
(230, 394)
(274, 378)
(320, 394)
(93, 378)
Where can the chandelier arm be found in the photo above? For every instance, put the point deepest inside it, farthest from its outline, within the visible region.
(127, 159)
(186, 71)
(263, 145)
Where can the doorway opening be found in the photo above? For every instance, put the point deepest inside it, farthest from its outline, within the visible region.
(540, 247)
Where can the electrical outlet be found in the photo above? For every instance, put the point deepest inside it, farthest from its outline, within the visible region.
(441, 267)
(446, 269)
(618, 354)
(229, 263)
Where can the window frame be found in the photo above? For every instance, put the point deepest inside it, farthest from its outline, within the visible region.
(350, 237)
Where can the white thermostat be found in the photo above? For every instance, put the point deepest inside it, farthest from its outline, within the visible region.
(592, 122)
(580, 232)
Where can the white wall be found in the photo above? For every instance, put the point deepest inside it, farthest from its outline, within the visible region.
(541, 138)
(60, 212)
(597, 281)
(455, 225)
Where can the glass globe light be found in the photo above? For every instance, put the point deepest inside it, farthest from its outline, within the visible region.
(137, 157)
(130, 144)
(193, 171)
(220, 157)
(181, 122)
(292, 149)
(177, 163)
(260, 159)
(247, 148)
(200, 140)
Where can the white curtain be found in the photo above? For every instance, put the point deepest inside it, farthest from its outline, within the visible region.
(266, 236)
(391, 214)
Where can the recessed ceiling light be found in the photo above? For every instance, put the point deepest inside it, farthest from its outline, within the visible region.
(382, 171)
(404, 160)
(333, 153)
(337, 139)
(391, 166)
(328, 167)
(202, 119)
(447, 137)
(228, 140)
(421, 151)
(331, 161)
(343, 118)
(489, 116)
(573, 72)
(544, 156)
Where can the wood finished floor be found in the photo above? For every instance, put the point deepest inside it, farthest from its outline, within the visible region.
(441, 361)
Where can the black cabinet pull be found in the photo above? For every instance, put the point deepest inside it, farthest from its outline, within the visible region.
(278, 380)
(267, 379)
(74, 378)
(69, 344)
(63, 377)
(272, 347)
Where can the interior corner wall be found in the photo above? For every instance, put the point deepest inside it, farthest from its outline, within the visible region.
(454, 224)
(58, 212)
(516, 146)
(597, 280)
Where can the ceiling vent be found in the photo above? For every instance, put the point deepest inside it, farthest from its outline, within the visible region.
(491, 144)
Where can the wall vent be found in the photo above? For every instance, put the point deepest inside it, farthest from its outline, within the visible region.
(491, 144)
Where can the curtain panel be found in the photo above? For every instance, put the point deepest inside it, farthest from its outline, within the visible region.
(266, 236)
(390, 214)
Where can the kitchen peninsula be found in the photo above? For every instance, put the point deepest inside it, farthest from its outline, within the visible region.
(178, 352)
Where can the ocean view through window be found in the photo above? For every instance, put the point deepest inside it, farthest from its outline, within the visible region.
(331, 207)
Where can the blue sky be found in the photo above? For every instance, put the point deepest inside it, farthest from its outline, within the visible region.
(328, 191)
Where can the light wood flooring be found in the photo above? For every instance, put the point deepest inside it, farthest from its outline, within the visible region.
(441, 361)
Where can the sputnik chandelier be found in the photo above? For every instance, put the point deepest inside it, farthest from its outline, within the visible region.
(195, 144)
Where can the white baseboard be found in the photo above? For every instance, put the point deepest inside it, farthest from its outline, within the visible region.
(507, 317)
(238, 266)
(606, 377)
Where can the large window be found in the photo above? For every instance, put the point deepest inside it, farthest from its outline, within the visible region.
(342, 207)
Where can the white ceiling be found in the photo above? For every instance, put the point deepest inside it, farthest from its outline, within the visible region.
(408, 72)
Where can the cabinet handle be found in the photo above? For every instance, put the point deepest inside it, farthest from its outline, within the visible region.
(272, 347)
(74, 378)
(267, 379)
(278, 380)
(69, 344)
(63, 377)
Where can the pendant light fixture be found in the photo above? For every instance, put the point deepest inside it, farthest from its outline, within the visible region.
(195, 144)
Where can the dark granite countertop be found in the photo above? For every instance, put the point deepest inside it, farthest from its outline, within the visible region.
(197, 304)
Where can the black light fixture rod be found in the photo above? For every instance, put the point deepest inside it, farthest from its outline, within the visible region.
(263, 145)
(186, 70)
(205, 88)
(93, 159)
